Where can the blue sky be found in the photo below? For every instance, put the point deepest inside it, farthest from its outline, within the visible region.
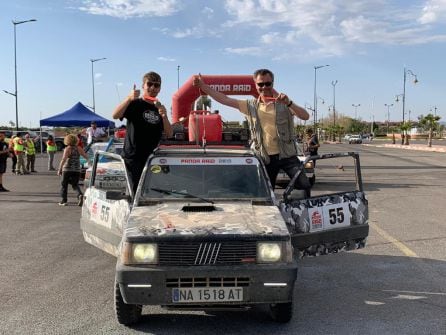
(366, 43)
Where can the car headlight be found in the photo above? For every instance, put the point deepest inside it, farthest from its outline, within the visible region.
(139, 253)
(269, 252)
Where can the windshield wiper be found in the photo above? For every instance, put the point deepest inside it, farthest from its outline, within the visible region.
(168, 192)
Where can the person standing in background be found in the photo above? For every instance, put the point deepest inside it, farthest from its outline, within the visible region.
(30, 151)
(95, 134)
(51, 149)
(13, 156)
(70, 169)
(4, 153)
(19, 151)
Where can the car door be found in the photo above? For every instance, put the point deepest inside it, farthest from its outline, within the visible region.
(335, 217)
(107, 202)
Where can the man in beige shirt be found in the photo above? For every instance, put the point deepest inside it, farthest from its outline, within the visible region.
(271, 121)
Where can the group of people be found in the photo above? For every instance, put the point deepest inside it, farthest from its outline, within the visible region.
(270, 118)
(22, 152)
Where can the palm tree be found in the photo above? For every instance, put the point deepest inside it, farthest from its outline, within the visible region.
(429, 122)
(405, 127)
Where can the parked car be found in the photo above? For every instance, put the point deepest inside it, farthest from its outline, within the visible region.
(355, 139)
(106, 171)
(205, 231)
(347, 137)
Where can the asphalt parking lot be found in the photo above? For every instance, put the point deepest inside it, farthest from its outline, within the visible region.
(52, 282)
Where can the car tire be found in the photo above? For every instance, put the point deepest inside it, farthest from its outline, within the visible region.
(126, 314)
(282, 312)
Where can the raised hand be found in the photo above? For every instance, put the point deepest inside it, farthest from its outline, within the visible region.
(134, 94)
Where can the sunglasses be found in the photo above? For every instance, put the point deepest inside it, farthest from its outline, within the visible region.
(266, 84)
(150, 84)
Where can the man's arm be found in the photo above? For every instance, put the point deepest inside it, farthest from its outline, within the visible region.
(218, 96)
(119, 111)
(300, 112)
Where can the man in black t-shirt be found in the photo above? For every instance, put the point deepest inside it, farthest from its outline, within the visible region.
(4, 154)
(146, 121)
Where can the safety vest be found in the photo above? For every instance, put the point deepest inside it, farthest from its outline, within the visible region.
(18, 144)
(51, 146)
(30, 149)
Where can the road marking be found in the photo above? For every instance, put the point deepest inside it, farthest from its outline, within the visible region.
(401, 246)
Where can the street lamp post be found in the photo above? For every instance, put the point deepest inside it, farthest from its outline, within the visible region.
(403, 97)
(178, 77)
(15, 23)
(406, 72)
(92, 78)
(356, 109)
(388, 115)
(315, 96)
(334, 82)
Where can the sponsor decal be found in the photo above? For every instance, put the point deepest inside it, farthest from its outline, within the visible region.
(316, 221)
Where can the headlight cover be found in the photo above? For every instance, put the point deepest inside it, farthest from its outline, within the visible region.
(140, 253)
(269, 252)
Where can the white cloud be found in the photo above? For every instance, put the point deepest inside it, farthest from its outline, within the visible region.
(332, 28)
(433, 11)
(208, 12)
(166, 59)
(97, 75)
(251, 51)
(131, 8)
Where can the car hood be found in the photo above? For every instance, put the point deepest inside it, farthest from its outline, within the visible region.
(170, 219)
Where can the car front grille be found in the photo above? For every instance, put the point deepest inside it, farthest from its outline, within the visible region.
(207, 253)
(208, 282)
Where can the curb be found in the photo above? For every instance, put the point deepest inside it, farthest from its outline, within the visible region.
(436, 148)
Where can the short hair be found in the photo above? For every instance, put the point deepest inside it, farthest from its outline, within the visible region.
(263, 72)
(93, 122)
(70, 139)
(308, 131)
(151, 76)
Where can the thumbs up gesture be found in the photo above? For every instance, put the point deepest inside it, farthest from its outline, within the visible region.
(134, 94)
(197, 80)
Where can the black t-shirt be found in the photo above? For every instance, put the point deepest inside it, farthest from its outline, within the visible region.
(144, 129)
(3, 147)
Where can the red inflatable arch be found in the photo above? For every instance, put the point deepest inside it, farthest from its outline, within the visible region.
(184, 98)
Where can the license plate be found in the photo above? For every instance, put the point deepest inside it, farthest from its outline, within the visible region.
(207, 294)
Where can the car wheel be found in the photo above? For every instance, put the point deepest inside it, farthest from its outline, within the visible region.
(125, 313)
(312, 179)
(282, 312)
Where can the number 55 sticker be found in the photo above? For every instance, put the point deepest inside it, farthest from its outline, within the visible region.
(329, 217)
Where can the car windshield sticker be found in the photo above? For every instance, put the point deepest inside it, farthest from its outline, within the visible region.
(155, 169)
(203, 161)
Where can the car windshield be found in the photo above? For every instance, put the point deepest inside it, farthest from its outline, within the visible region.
(204, 177)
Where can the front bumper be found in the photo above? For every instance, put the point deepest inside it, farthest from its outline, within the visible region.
(149, 285)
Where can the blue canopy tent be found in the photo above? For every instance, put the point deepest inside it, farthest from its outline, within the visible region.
(76, 116)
